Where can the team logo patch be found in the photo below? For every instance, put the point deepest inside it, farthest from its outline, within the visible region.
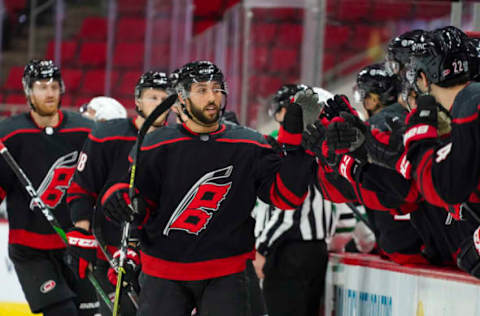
(197, 207)
(47, 286)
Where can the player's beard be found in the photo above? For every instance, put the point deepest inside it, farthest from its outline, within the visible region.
(46, 110)
(199, 114)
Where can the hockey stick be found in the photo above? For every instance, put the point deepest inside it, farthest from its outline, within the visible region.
(161, 108)
(359, 215)
(37, 201)
(98, 234)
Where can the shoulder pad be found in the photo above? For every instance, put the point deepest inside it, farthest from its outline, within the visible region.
(16, 123)
(242, 132)
(466, 102)
(74, 119)
(115, 127)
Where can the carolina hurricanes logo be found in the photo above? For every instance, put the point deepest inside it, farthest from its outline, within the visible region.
(197, 207)
(47, 286)
(57, 180)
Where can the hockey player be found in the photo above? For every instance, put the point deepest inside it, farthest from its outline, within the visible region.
(103, 109)
(46, 142)
(445, 168)
(202, 179)
(104, 160)
(291, 246)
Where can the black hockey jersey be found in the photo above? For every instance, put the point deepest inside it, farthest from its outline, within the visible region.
(104, 160)
(205, 186)
(48, 156)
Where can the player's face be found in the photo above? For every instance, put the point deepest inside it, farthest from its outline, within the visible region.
(205, 101)
(45, 96)
(149, 100)
(371, 103)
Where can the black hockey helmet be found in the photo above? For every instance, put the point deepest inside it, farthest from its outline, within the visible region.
(283, 96)
(173, 77)
(442, 56)
(199, 71)
(399, 50)
(473, 49)
(375, 79)
(152, 79)
(41, 70)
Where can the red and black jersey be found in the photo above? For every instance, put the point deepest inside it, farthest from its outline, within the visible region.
(103, 161)
(448, 174)
(204, 187)
(48, 156)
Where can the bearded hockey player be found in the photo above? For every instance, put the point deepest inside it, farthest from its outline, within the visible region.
(104, 160)
(46, 142)
(201, 180)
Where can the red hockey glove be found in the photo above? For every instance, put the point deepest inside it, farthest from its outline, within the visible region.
(386, 148)
(81, 250)
(422, 125)
(132, 267)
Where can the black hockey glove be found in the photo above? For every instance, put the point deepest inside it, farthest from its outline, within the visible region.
(273, 142)
(132, 267)
(116, 204)
(422, 125)
(81, 251)
(469, 257)
(335, 105)
(313, 138)
(290, 133)
(346, 135)
(386, 148)
(308, 101)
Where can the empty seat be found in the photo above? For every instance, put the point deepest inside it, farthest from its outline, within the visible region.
(93, 28)
(328, 61)
(16, 98)
(387, 11)
(162, 27)
(129, 55)
(126, 85)
(93, 54)
(284, 60)
(68, 51)
(67, 101)
(266, 85)
(128, 103)
(353, 10)
(130, 30)
(94, 82)
(336, 35)
(72, 79)
(131, 7)
(263, 33)
(431, 10)
(14, 79)
(161, 56)
(290, 34)
(261, 58)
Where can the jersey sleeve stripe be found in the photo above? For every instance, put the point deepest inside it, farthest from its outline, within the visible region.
(21, 131)
(170, 141)
(292, 197)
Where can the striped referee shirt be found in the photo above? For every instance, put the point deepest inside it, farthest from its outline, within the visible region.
(314, 220)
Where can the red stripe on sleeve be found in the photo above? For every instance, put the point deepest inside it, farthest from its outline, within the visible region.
(285, 137)
(292, 197)
(277, 200)
(425, 182)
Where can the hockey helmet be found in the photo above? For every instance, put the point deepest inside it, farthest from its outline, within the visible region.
(375, 79)
(473, 49)
(152, 79)
(283, 97)
(199, 71)
(399, 50)
(442, 56)
(41, 70)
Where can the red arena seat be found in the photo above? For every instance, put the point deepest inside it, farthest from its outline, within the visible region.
(72, 79)
(128, 55)
(130, 30)
(93, 28)
(94, 82)
(68, 51)
(93, 54)
(14, 79)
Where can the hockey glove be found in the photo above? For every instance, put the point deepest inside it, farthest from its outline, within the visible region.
(116, 204)
(313, 138)
(81, 251)
(308, 101)
(346, 134)
(422, 125)
(469, 257)
(386, 148)
(273, 142)
(132, 267)
(335, 105)
(290, 132)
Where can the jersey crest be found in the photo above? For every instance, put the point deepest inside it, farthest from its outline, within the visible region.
(197, 207)
(58, 178)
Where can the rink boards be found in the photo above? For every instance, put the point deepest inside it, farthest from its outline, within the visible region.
(369, 286)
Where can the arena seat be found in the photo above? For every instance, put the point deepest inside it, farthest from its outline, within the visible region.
(290, 34)
(353, 10)
(94, 82)
(336, 35)
(93, 54)
(284, 59)
(126, 84)
(129, 55)
(387, 11)
(261, 57)
(14, 79)
(72, 79)
(68, 50)
(130, 30)
(93, 28)
(263, 33)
